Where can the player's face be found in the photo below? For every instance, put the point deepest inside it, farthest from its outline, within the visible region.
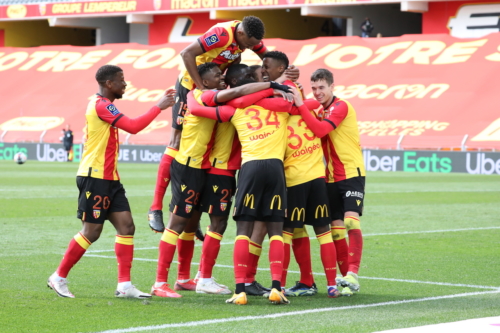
(222, 83)
(211, 80)
(244, 42)
(118, 85)
(271, 69)
(322, 91)
(257, 75)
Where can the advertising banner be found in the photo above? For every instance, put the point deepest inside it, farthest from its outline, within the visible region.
(433, 89)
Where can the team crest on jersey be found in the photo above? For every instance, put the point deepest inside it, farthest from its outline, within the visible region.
(211, 40)
(112, 109)
(97, 213)
(188, 208)
(180, 120)
(223, 206)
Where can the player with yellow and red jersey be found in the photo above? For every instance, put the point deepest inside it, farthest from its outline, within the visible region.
(345, 174)
(102, 196)
(222, 44)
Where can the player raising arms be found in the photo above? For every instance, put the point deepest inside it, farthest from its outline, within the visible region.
(222, 44)
(345, 173)
(102, 196)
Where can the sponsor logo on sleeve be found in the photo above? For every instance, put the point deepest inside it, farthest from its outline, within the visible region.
(112, 109)
(211, 40)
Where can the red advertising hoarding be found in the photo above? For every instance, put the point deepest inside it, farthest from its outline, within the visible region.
(433, 89)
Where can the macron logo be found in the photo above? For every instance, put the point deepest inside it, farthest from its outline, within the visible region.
(475, 21)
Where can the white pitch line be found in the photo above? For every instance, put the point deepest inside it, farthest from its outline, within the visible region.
(291, 313)
(365, 235)
(297, 272)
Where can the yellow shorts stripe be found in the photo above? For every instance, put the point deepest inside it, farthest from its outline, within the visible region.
(125, 240)
(82, 241)
(170, 237)
(214, 235)
(187, 236)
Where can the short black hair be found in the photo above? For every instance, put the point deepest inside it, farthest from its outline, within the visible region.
(279, 56)
(322, 74)
(253, 27)
(205, 68)
(253, 69)
(107, 72)
(235, 72)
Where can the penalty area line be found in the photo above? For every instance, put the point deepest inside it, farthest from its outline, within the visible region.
(291, 313)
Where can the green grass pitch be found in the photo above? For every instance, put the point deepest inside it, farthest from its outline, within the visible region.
(431, 255)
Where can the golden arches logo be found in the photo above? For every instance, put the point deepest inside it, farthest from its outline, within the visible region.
(301, 214)
(322, 209)
(249, 200)
(279, 202)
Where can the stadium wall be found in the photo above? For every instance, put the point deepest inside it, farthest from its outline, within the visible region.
(486, 163)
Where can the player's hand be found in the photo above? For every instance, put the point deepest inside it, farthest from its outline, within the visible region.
(167, 100)
(279, 86)
(292, 73)
(297, 97)
(286, 96)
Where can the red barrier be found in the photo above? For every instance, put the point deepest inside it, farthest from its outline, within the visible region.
(433, 89)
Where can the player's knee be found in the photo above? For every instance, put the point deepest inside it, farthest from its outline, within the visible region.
(218, 224)
(352, 223)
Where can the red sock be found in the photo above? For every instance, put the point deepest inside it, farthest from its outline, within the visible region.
(287, 242)
(211, 247)
(185, 250)
(124, 250)
(253, 261)
(301, 247)
(163, 178)
(328, 257)
(166, 254)
(240, 258)
(355, 249)
(341, 247)
(76, 248)
(276, 255)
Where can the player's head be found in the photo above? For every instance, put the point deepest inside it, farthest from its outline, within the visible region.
(256, 71)
(236, 74)
(210, 75)
(222, 83)
(274, 65)
(322, 85)
(250, 32)
(110, 78)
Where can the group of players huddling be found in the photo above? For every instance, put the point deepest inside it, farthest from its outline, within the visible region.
(299, 162)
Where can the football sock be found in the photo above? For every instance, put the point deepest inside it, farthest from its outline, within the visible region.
(76, 248)
(240, 259)
(210, 251)
(124, 250)
(276, 285)
(185, 250)
(341, 247)
(124, 285)
(253, 260)
(240, 287)
(163, 178)
(276, 254)
(287, 243)
(166, 254)
(355, 242)
(328, 256)
(301, 247)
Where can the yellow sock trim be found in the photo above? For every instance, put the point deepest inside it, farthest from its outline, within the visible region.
(82, 241)
(171, 151)
(254, 248)
(276, 238)
(242, 237)
(125, 240)
(214, 235)
(287, 237)
(325, 238)
(338, 233)
(300, 233)
(170, 237)
(351, 223)
(187, 236)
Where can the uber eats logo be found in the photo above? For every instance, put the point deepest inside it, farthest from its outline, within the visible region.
(412, 163)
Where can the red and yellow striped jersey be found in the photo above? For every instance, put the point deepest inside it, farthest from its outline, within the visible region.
(342, 149)
(226, 153)
(198, 135)
(220, 46)
(100, 150)
(304, 154)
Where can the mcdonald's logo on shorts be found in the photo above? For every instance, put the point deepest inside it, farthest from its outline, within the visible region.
(301, 214)
(279, 202)
(249, 200)
(322, 209)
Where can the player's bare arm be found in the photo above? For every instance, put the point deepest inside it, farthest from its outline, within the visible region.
(188, 56)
